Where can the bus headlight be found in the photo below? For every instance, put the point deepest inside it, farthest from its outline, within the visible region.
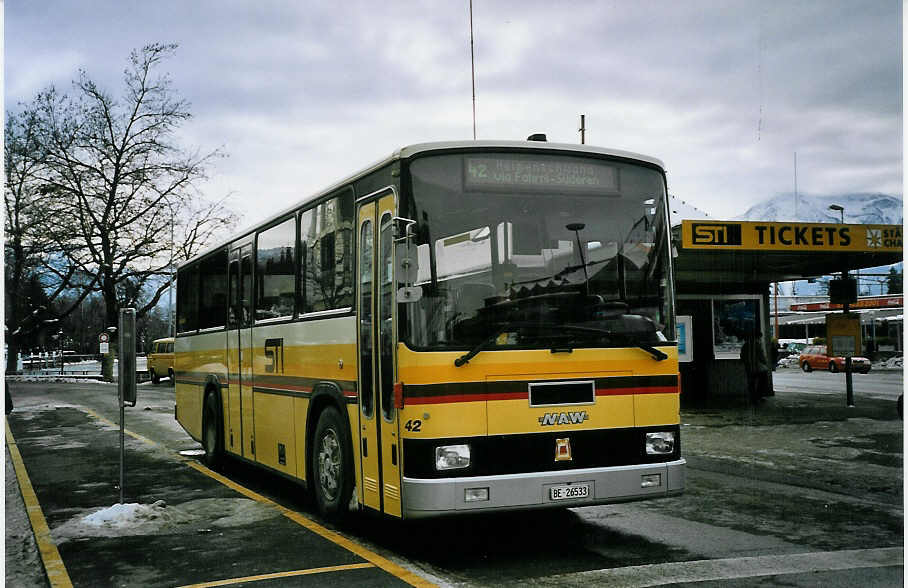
(452, 457)
(660, 443)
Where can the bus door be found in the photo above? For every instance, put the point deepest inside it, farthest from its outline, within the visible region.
(240, 433)
(379, 440)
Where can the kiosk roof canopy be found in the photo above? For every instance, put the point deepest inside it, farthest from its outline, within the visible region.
(753, 252)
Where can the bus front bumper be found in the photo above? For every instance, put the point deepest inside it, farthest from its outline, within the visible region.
(428, 498)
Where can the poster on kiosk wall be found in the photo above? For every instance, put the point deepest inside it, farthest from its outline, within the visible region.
(843, 334)
(684, 326)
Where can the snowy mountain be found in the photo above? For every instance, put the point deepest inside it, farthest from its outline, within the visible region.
(859, 208)
(681, 210)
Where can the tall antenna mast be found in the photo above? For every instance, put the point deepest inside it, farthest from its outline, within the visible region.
(472, 70)
(796, 186)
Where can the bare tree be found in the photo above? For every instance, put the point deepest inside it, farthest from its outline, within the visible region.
(42, 284)
(117, 171)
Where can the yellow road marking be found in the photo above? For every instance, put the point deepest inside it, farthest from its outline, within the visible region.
(368, 555)
(53, 563)
(308, 572)
(145, 440)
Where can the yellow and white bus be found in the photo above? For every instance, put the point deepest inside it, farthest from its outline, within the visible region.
(464, 326)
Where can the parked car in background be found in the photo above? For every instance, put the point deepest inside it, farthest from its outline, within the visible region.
(795, 347)
(160, 360)
(814, 357)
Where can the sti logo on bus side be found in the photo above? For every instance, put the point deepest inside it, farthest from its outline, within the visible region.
(562, 418)
(716, 234)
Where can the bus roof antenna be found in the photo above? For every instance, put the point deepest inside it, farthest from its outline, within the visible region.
(537, 137)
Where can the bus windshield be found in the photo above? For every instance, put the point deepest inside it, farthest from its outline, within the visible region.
(518, 251)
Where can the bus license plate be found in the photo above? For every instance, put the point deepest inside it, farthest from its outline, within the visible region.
(572, 491)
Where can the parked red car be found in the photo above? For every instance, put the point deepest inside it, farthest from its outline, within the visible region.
(814, 357)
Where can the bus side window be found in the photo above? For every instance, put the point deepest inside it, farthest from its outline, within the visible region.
(233, 294)
(385, 309)
(365, 318)
(276, 271)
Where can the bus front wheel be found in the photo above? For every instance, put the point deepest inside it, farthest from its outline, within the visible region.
(211, 433)
(332, 464)
(155, 378)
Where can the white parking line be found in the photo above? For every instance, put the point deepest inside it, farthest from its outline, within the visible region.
(729, 569)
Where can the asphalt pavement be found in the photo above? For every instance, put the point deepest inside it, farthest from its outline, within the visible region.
(198, 527)
(180, 524)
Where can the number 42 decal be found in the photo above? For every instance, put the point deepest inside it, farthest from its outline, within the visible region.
(413, 425)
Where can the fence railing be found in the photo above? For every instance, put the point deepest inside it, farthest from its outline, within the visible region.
(73, 365)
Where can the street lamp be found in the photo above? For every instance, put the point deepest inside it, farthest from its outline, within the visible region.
(60, 336)
(171, 320)
(841, 210)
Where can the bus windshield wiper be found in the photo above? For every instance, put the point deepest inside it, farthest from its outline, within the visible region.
(466, 357)
(657, 354)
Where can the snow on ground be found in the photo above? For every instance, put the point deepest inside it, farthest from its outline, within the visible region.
(159, 518)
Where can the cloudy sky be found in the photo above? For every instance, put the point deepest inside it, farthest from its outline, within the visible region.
(301, 93)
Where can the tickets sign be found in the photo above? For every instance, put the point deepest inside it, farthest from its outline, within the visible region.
(790, 236)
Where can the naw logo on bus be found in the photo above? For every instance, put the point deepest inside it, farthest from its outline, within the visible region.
(562, 418)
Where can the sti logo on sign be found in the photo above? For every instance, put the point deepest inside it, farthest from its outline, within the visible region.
(716, 234)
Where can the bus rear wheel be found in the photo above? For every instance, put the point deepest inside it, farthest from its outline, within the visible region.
(211, 433)
(332, 464)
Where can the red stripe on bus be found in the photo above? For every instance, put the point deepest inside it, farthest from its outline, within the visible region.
(480, 397)
(639, 390)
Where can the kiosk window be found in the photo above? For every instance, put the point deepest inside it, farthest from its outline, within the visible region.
(733, 320)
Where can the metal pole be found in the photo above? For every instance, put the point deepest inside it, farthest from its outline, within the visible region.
(776, 314)
(126, 385)
(122, 442)
(582, 129)
(796, 182)
(170, 289)
(849, 387)
(472, 70)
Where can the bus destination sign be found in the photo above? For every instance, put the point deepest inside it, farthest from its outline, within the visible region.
(501, 173)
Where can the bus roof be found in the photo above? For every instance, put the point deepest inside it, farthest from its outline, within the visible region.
(418, 148)
(424, 148)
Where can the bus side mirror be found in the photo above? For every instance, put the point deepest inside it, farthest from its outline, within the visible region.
(409, 294)
(407, 263)
(404, 229)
